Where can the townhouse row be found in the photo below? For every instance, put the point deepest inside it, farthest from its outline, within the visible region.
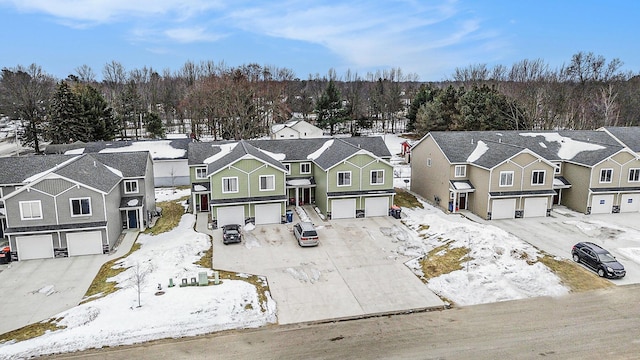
(515, 174)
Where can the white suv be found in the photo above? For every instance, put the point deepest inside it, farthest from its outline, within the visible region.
(306, 234)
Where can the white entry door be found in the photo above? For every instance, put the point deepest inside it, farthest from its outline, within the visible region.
(268, 213)
(377, 206)
(602, 204)
(84, 243)
(535, 207)
(503, 209)
(34, 247)
(230, 215)
(343, 209)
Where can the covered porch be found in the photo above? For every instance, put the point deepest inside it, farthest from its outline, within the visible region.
(301, 191)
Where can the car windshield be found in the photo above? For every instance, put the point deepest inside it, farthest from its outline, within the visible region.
(606, 257)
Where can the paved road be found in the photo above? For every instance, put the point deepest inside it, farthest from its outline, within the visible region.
(593, 325)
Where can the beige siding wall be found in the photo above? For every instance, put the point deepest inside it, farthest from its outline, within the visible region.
(479, 200)
(430, 181)
(577, 195)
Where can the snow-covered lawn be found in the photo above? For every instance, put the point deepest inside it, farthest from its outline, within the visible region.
(498, 270)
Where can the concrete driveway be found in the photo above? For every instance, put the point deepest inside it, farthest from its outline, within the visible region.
(36, 290)
(351, 273)
(556, 234)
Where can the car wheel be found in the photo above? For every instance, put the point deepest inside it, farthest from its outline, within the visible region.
(576, 258)
(601, 272)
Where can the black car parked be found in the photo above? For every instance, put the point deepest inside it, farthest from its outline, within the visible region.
(597, 259)
(231, 234)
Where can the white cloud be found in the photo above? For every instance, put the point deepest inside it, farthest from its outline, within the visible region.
(194, 34)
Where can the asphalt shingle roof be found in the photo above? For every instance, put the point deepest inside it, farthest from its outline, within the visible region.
(629, 136)
(15, 169)
(91, 172)
(131, 164)
(242, 149)
(141, 145)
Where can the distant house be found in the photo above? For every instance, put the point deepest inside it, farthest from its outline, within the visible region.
(511, 174)
(170, 157)
(253, 181)
(70, 205)
(295, 129)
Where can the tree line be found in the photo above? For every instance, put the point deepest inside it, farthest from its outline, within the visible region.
(222, 102)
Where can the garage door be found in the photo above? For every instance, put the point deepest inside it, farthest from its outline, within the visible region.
(343, 209)
(230, 215)
(535, 207)
(630, 203)
(503, 209)
(34, 247)
(268, 214)
(84, 243)
(602, 204)
(376, 206)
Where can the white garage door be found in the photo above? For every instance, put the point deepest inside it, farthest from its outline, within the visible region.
(34, 247)
(343, 209)
(84, 243)
(602, 204)
(503, 209)
(268, 214)
(630, 203)
(230, 215)
(535, 207)
(376, 206)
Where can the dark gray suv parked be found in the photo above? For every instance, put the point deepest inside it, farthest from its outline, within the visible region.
(598, 260)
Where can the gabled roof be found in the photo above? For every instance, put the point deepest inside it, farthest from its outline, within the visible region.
(627, 136)
(579, 146)
(131, 164)
(241, 150)
(15, 169)
(159, 149)
(87, 170)
(199, 152)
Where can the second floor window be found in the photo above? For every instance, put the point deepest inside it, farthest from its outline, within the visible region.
(344, 178)
(606, 175)
(288, 167)
(267, 182)
(506, 178)
(461, 171)
(305, 168)
(201, 173)
(80, 207)
(634, 175)
(130, 186)
(377, 177)
(30, 210)
(230, 185)
(537, 177)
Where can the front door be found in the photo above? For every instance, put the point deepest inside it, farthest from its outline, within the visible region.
(204, 202)
(462, 201)
(133, 218)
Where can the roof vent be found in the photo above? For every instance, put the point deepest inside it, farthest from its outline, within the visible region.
(472, 140)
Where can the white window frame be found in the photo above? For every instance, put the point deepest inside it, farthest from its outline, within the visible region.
(233, 180)
(557, 168)
(288, 167)
(635, 178)
(506, 174)
(127, 183)
(303, 165)
(460, 171)
(533, 177)
(198, 169)
(80, 200)
(603, 173)
(273, 182)
(23, 205)
(379, 177)
(343, 173)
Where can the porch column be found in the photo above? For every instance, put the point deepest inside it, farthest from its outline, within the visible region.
(297, 196)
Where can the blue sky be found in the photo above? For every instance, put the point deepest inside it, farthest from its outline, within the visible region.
(430, 38)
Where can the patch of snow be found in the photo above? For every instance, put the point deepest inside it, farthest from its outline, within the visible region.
(115, 171)
(480, 149)
(249, 227)
(132, 202)
(224, 150)
(160, 149)
(198, 187)
(569, 148)
(302, 214)
(542, 145)
(460, 185)
(298, 182)
(170, 193)
(316, 154)
(78, 151)
(277, 157)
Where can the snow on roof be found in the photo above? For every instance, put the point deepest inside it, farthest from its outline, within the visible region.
(569, 148)
(43, 173)
(298, 182)
(277, 157)
(460, 185)
(132, 202)
(480, 149)
(557, 182)
(224, 150)
(115, 171)
(78, 151)
(199, 188)
(161, 149)
(277, 127)
(316, 154)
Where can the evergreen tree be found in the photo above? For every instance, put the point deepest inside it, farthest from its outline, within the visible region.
(66, 123)
(102, 124)
(425, 94)
(155, 126)
(329, 108)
